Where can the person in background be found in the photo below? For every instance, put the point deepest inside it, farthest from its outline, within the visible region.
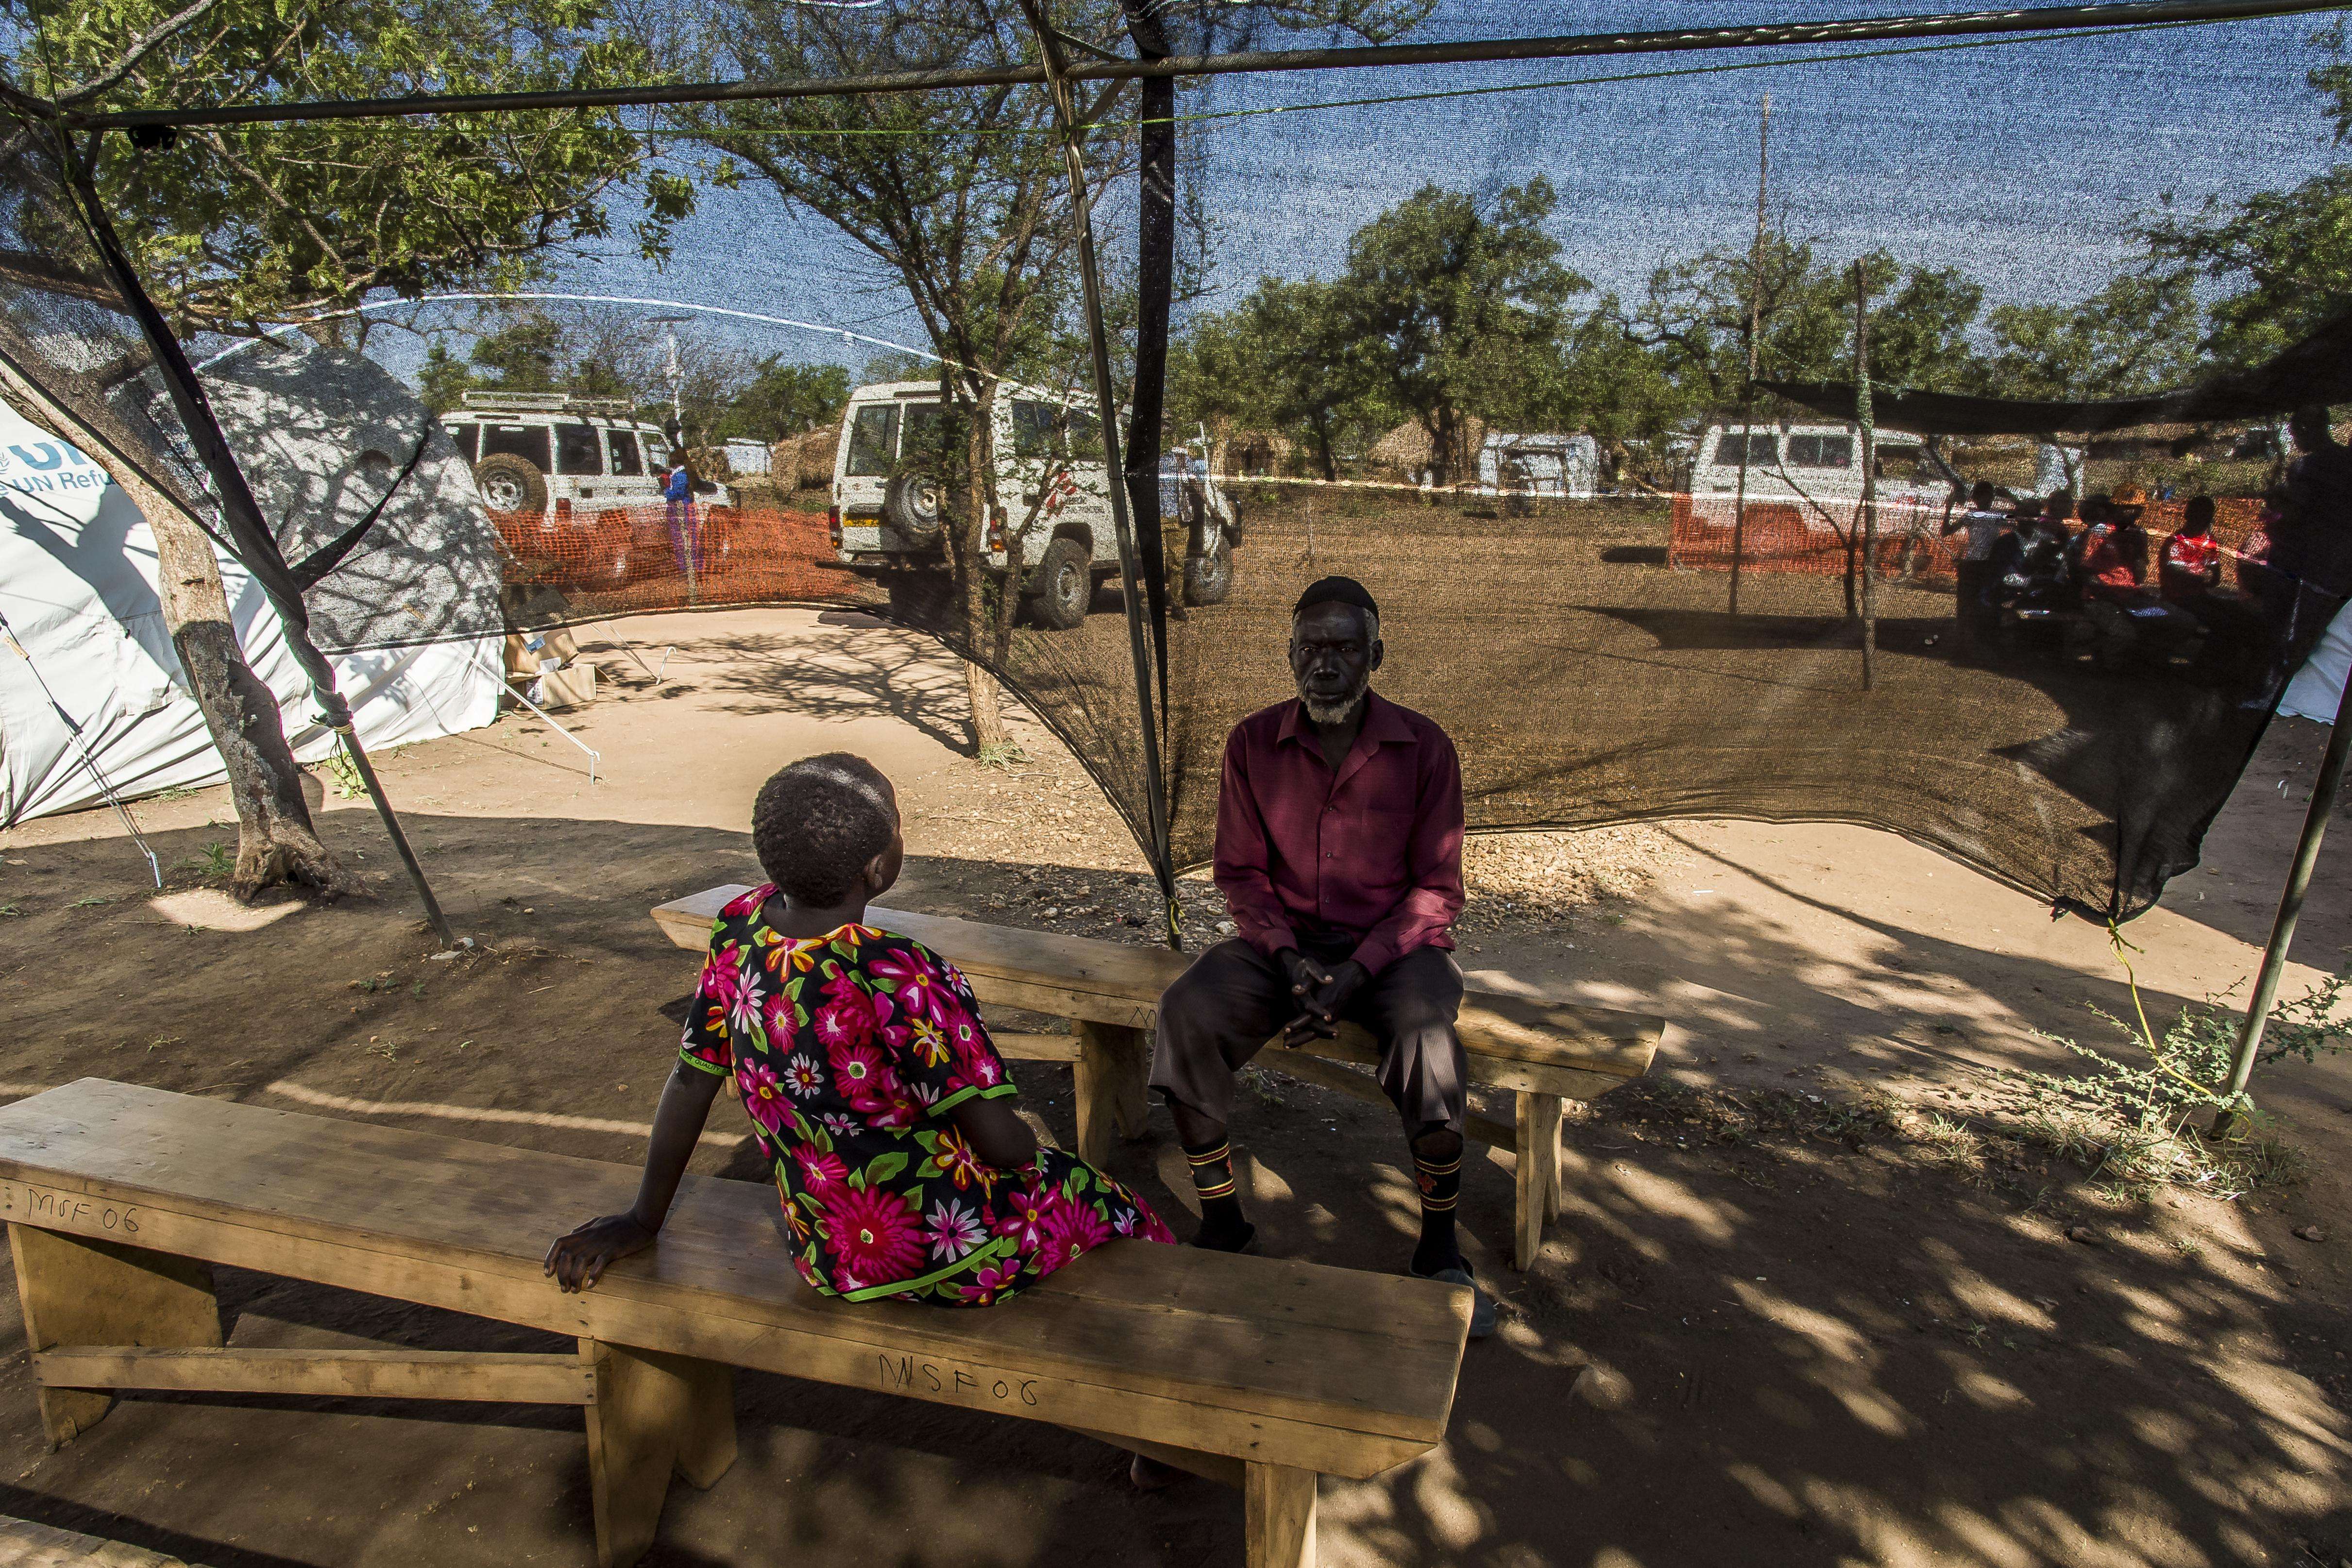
(2113, 546)
(2189, 568)
(679, 487)
(2030, 569)
(1975, 604)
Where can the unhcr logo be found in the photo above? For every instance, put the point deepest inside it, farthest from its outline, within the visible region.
(47, 466)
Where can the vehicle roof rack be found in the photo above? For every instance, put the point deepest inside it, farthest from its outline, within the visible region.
(548, 403)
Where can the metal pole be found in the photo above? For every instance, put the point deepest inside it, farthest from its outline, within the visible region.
(1755, 334)
(2298, 881)
(349, 734)
(1869, 519)
(1106, 407)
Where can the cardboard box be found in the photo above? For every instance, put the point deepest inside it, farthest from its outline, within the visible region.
(571, 686)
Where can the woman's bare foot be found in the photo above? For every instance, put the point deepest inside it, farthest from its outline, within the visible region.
(1151, 1474)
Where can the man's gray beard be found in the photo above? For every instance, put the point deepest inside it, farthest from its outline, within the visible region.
(1337, 711)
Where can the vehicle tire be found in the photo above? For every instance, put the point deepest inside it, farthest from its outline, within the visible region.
(1063, 586)
(1209, 576)
(509, 484)
(920, 598)
(916, 505)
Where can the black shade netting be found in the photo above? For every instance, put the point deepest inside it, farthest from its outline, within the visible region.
(1581, 655)
(1576, 382)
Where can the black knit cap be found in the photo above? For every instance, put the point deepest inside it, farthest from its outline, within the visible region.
(1334, 591)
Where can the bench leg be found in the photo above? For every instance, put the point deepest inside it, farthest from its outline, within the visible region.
(654, 1414)
(1108, 1078)
(79, 1291)
(1538, 1178)
(1278, 1505)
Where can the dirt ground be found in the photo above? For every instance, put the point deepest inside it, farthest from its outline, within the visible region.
(1786, 1318)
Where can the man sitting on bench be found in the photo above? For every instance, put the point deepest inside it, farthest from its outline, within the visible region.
(1339, 854)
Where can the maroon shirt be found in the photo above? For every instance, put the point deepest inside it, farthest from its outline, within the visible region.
(1375, 854)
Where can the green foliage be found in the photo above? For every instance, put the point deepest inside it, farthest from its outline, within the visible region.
(1450, 308)
(2310, 1024)
(617, 355)
(786, 400)
(234, 226)
(1697, 316)
(2137, 334)
(342, 777)
(1284, 360)
(444, 379)
(2167, 1117)
(2283, 257)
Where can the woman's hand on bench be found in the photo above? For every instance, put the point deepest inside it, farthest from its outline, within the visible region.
(578, 1260)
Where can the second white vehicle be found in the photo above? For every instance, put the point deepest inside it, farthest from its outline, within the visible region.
(890, 509)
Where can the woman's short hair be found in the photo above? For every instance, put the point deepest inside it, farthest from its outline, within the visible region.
(817, 822)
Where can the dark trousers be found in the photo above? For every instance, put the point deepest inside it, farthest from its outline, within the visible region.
(1233, 998)
(683, 539)
(1976, 613)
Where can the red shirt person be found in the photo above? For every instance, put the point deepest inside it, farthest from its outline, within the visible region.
(1339, 854)
(2190, 566)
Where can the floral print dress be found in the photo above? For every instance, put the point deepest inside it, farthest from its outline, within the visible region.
(850, 1049)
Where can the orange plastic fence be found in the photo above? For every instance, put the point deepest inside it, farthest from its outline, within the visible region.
(1792, 537)
(648, 558)
(1795, 537)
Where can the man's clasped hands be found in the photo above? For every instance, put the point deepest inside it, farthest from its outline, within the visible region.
(1321, 992)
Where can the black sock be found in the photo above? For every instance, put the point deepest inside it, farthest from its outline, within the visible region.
(1221, 1225)
(1440, 1184)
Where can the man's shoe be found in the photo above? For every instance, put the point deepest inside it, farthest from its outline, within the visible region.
(1482, 1305)
(1240, 1240)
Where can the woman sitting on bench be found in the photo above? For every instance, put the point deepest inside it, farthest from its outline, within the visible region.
(875, 1095)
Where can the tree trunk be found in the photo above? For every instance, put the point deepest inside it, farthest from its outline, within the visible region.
(988, 733)
(276, 840)
(1323, 448)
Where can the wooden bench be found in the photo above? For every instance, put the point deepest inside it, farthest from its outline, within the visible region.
(1544, 1051)
(1254, 1371)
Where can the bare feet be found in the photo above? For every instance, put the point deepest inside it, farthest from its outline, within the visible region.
(1151, 1474)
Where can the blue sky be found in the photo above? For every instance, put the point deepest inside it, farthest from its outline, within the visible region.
(2024, 163)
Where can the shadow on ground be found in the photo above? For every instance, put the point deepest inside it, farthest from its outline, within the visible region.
(1809, 1344)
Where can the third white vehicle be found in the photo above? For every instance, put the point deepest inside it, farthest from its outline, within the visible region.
(1811, 462)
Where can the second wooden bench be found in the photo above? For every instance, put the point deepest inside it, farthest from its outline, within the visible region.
(1543, 1050)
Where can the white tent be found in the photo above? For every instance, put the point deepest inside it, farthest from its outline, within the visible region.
(2318, 687)
(78, 587)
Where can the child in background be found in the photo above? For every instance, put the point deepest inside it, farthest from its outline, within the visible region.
(877, 1100)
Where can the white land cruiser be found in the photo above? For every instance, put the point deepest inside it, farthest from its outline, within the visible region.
(889, 515)
(1816, 462)
(550, 451)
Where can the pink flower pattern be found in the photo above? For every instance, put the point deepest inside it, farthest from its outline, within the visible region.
(853, 1050)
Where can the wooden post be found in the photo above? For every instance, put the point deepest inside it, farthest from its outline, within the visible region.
(1537, 1180)
(654, 1414)
(1108, 1082)
(1278, 1513)
(1869, 476)
(79, 1291)
(1754, 330)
